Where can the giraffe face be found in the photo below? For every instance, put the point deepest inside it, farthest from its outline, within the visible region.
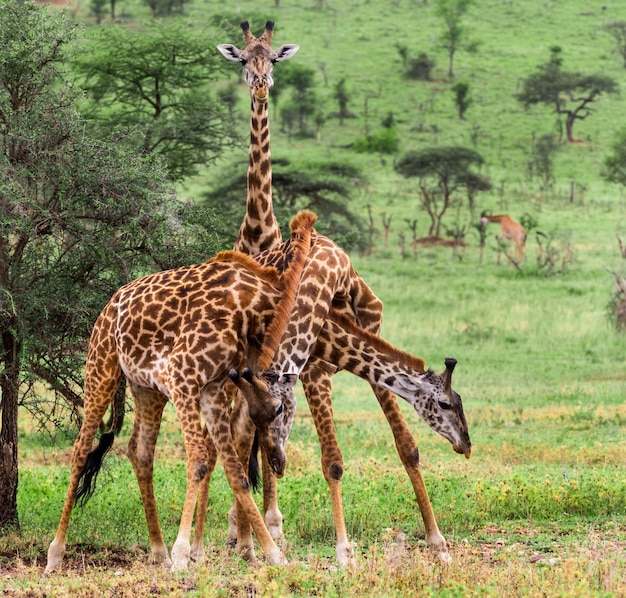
(442, 409)
(271, 406)
(258, 61)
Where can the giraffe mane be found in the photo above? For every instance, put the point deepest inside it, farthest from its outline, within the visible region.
(349, 325)
(267, 273)
(301, 226)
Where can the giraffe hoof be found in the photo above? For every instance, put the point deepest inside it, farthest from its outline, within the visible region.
(445, 558)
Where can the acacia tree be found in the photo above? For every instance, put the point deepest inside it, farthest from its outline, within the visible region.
(452, 13)
(569, 93)
(156, 81)
(441, 171)
(79, 217)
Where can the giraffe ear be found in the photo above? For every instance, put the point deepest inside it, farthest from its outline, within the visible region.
(285, 52)
(230, 52)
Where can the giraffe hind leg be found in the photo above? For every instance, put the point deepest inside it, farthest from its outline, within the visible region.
(149, 407)
(98, 396)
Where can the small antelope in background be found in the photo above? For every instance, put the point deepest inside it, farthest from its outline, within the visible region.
(509, 231)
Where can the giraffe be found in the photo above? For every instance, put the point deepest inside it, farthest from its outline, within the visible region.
(353, 297)
(344, 344)
(259, 230)
(181, 335)
(509, 231)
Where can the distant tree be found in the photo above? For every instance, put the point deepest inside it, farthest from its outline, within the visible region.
(420, 68)
(569, 93)
(542, 160)
(616, 308)
(440, 172)
(617, 30)
(403, 50)
(325, 187)
(79, 217)
(164, 8)
(97, 9)
(341, 95)
(452, 13)
(301, 79)
(156, 83)
(615, 163)
(461, 98)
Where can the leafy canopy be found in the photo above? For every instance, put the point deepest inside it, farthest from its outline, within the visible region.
(157, 82)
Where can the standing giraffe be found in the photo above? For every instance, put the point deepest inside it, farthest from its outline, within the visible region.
(348, 294)
(180, 334)
(509, 231)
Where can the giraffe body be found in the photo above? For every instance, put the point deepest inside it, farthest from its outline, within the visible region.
(509, 231)
(181, 335)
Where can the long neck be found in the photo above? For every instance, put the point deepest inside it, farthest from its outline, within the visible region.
(368, 356)
(259, 230)
(497, 218)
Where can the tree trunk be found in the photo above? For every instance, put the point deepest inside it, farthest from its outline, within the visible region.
(569, 126)
(9, 383)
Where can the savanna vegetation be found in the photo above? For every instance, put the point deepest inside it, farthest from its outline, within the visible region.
(399, 123)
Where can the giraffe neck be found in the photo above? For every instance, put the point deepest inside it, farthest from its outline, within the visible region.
(368, 356)
(259, 230)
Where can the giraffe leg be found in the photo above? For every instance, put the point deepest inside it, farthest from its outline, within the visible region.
(271, 513)
(317, 383)
(98, 396)
(197, 546)
(149, 407)
(198, 462)
(369, 311)
(409, 455)
(243, 431)
(214, 405)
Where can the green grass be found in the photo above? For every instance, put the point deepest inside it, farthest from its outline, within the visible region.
(540, 509)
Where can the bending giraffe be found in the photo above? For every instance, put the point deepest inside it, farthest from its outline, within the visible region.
(351, 296)
(344, 344)
(509, 231)
(176, 335)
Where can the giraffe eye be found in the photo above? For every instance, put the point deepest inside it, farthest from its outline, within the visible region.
(444, 406)
(278, 411)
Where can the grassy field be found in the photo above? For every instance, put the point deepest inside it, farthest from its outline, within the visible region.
(540, 509)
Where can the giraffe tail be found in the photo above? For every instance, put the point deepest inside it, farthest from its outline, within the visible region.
(89, 474)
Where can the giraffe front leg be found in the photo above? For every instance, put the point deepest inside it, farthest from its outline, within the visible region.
(409, 455)
(271, 513)
(317, 383)
(215, 410)
(197, 546)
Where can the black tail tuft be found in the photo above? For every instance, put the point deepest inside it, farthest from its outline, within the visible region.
(89, 475)
(254, 473)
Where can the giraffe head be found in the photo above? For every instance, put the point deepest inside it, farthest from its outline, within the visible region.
(271, 407)
(442, 409)
(258, 58)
